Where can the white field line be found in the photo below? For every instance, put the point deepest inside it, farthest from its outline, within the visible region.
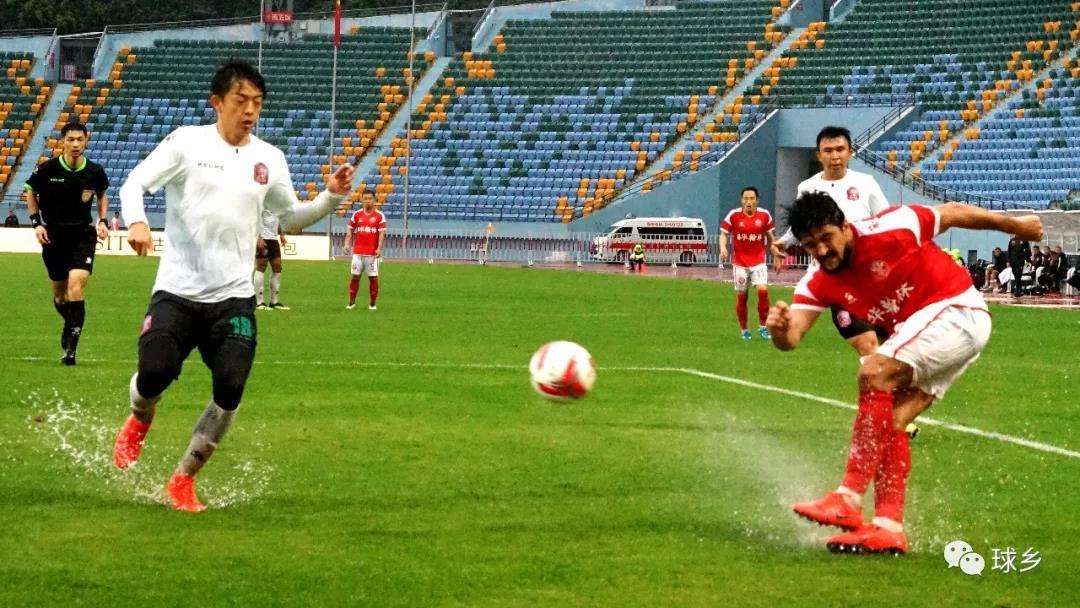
(959, 428)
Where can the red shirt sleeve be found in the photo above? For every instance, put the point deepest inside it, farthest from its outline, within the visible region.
(928, 222)
(354, 221)
(382, 221)
(805, 297)
(725, 226)
(769, 225)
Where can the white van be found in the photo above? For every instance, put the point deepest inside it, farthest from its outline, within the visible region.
(665, 239)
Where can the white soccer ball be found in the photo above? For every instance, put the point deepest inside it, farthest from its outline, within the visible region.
(562, 371)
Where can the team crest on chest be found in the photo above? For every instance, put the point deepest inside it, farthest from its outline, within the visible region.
(879, 269)
(262, 174)
(853, 194)
(87, 194)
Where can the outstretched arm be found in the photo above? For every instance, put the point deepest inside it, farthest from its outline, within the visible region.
(294, 215)
(788, 326)
(958, 215)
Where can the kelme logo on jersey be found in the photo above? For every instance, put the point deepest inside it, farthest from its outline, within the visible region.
(262, 174)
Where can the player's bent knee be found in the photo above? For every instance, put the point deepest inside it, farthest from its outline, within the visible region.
(874, 374)
(159, 365)
(231, 368)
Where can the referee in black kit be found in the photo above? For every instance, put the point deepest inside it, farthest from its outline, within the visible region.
(60, 198)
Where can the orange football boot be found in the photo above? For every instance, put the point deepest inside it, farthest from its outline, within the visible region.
(832, 510)
(181, 489)
(869, 539)
(129, 442)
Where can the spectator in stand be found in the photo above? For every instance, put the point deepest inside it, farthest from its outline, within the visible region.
(1057, 266)
(1038, 258)
(12, 220)
(998, 263)
(978, 271)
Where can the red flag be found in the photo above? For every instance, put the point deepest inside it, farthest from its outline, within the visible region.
(337, 23)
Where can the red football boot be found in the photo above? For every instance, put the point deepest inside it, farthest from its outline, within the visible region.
(832, 510)
(181, 489)
(869, 539)
(129, 442)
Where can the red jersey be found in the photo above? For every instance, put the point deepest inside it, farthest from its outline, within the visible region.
(747, 236)
(895, 270)
(366, 228)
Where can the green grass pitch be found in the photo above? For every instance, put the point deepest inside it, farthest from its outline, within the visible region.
(400, 458)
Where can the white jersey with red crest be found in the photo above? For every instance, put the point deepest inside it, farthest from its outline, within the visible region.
(366, 228)
(747, 236)
(895, 270)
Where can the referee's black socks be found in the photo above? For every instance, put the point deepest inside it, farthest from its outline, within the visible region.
(62, 309)
(76, 310)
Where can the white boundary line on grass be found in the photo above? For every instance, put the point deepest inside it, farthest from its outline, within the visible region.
(959, 428)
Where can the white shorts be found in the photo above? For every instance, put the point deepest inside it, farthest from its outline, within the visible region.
(939, 343)
(365, 264)
(758, 275)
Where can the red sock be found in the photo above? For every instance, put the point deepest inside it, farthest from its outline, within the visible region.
(373, 288)
(740, 308)
(868, 437)
(354, 287)
(762, 306)
(890, 483)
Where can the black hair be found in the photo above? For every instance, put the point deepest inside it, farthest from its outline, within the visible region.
(750, 188)
(813, 210)
(233, 71)
(73, 126)
(832, 131)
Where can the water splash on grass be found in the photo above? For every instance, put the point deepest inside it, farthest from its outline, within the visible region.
(83, 440)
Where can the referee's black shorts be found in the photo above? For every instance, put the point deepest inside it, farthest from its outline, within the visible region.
(850, 326)
(69, 250)
(272, 251)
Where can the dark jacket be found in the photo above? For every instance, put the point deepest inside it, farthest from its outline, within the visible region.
(1000, 262)
(1019, 254)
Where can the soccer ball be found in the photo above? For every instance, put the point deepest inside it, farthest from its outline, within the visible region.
(562, 371)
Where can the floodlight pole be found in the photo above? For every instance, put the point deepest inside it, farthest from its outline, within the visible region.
(262, 30)
(408, 126)
(330, 150)
(262, 34)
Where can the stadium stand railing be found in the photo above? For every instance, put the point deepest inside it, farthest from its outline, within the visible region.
(565, 112)
(958, 60)
(152, 90)
(22, 101)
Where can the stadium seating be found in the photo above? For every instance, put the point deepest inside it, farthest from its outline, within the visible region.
(1027, 153)
(564, 112)
(153, 90)
(21, 104)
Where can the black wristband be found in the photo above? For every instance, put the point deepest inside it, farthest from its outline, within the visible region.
(35, 219)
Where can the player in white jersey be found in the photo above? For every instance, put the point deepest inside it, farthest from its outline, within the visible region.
(218, 179)
(268, 251)
(859, 197)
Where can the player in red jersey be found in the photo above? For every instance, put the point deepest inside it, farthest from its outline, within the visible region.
(751, 231)
(367, 229)
(887, 270)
